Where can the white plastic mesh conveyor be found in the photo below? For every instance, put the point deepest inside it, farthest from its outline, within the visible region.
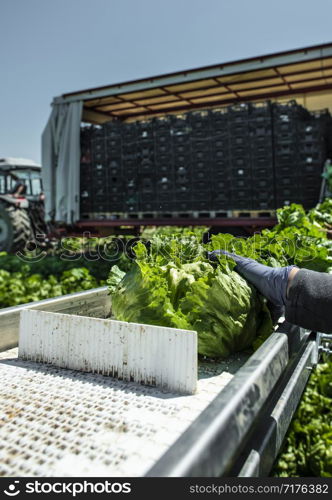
(57, 422)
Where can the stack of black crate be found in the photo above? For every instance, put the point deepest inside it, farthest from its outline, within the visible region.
(146, 166)
(129, 136)
(99, 181)
(288, 120)
(86, 172)
(312, 136)
(180, 132)
(164, 165)
(243, 157)
(113, 189)
(199, 151)
(239, 157)
(221, 174)
(261, 156)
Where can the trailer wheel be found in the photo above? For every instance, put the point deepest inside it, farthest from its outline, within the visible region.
(15, 229)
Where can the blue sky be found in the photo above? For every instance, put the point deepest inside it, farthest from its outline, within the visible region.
(50, 47)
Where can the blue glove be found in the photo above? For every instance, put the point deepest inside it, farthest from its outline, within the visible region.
(270, 281)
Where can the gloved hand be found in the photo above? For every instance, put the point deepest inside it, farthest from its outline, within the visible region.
(270, 281)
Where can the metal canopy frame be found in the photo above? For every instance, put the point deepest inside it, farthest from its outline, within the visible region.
(290, 73)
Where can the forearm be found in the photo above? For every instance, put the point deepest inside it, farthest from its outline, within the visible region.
(309, 300)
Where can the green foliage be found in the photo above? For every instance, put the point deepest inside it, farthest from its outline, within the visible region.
(21, 287)
(308, 446)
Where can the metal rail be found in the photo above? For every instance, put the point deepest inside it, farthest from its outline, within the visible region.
(213, 443)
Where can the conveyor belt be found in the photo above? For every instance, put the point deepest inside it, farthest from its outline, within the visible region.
(57, 422)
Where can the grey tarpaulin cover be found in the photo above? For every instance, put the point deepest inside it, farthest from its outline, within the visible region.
(61, 162)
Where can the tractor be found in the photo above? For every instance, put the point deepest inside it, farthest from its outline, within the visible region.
(21, 203)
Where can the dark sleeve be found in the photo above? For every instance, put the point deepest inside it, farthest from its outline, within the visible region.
(309, 302)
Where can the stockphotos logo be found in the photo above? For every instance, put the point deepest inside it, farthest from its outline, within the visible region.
(72, 488)
(12, 490)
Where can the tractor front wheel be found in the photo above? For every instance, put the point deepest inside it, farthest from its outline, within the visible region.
(15, 228)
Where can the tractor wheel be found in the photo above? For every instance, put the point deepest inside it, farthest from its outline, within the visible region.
(15, 228)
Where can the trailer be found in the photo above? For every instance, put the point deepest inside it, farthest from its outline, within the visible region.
(72, 180)
(72, 423)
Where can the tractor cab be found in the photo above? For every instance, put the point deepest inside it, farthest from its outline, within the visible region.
(18, 171)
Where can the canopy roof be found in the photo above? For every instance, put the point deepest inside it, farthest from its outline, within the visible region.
(18, 162)
(298, 74)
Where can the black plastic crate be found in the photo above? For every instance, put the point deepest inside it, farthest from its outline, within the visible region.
(165, 196)
(164, 169)
(181, 149)
(262, 130)
(201, 184)
(161, 125)
(313, 157)
(86, 156)
(99, 157)
(179, 123)
(286, 158)
(163, 139)
(200, 144)
(311, 168)
(218, 155)
(129, 132)
(239, 130)
(220, 185)
(240, 162)
(220, 164)
(265, 193)
(282, 201)
(241, 182)
(145, 130)
(205, 165)
(238, 113)
(166, 206)
(239, 141)
(261, 149)
(261, 111)
(262, 171)
(262, 183)
(290, 110)
(200, 175)
(111, 129)
(163, 149)
(181, 139)
(181, 160)
(241, 193)
(201, 156)
(240, 152)
(199, 123)
(147, 167)
(183, 205)
(241, 173)
(219, 116)
(242, 204)
(220, 142)
(202, 205)
(310, 148)
(114, 153)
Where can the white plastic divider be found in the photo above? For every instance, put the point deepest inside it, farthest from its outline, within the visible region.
(152, 355)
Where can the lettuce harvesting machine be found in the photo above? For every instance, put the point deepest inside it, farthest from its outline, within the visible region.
(85, 395)
(89, 396)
